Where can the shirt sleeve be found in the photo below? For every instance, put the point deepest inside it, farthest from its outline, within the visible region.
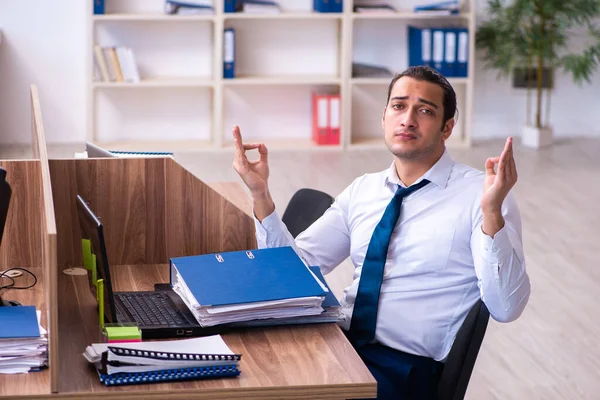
(500, 264)
(326, 243)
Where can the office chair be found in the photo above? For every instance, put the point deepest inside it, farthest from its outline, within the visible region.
(461, 359)
(304, 208)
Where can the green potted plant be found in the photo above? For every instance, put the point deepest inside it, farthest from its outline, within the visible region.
(534, 34)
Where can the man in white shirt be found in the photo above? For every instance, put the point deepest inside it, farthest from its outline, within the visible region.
(457, 238)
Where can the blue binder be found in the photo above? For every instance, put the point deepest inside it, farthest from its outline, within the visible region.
(229, 53)
(230, 6)
(241, 277)
(419, 46)
(328, 6)
(18, 322)
(462, 53)
(450, 46)
(98, 7)
(169, 375)
(437, 49)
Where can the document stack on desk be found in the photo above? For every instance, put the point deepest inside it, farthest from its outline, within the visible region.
(23, 341)
(241, 286)
(175, 360)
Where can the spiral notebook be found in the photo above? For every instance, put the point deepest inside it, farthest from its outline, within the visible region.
(174, 360)
(169, 375)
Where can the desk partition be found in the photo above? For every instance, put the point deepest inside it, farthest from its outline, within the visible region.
(152, 209)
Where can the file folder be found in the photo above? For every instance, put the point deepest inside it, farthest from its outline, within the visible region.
(437, 52)
(449, 64)
(320, 118)
(18, 322)
(462, 53)
(419, 46)
(328, 6)
(242, 277)
(230, 6)
(229, 53)
(334, 119)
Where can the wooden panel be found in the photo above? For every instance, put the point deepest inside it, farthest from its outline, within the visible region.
(128, 197)
(48, 223)
(312, 361)
(21, 241)
(199, 220)
(34, 383)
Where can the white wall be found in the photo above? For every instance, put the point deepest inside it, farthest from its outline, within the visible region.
(43, 42)
(46, 43)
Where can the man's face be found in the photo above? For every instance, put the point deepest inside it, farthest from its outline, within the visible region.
(413, 118)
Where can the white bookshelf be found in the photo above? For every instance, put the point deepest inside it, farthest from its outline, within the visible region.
(183, 103)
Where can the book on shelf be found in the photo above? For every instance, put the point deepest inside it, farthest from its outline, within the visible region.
(188, 7)
(374, 8)
(115, 64)
(160, 361)
(364, 70)
(259, 7)
(440, 8)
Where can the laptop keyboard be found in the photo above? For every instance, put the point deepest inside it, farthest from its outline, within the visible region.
(151, 308)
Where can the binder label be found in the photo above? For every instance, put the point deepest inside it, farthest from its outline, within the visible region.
(450, 46)
(322, 113)
(335, 113)
(462, 47)
(438, 46)
(426, 45)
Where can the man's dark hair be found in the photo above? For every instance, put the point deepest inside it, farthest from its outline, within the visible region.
(425, 73)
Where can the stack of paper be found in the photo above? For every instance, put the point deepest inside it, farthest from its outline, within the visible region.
(23, 341)
(251, 285)
(147, 362)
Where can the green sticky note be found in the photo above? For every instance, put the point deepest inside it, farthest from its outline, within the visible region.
(123, 332)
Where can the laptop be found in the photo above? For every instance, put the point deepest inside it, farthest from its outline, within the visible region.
(159, 314)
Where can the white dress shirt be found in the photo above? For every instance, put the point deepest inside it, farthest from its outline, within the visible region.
(439, 260)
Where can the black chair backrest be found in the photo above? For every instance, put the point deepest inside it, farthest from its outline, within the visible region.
(5, 193)
(304, 208)
(461, 359)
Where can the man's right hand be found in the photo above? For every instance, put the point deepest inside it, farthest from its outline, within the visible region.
(255, 174)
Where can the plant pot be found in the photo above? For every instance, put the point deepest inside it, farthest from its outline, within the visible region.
(532, 136)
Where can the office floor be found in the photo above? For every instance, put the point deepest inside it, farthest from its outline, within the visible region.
(552, 351)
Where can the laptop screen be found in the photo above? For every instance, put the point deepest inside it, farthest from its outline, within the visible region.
(91, 228)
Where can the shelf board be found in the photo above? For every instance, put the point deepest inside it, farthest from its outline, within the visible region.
(279, 144)
(386, 81)
(283, 80)
(283, 15)
(410, 15)
(158, 82)
(152, 17)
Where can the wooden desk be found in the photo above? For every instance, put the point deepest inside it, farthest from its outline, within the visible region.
(295, 362)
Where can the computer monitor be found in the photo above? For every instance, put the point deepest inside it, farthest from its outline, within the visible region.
(91, 229)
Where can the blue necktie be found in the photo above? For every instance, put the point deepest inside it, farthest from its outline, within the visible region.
(364, 316)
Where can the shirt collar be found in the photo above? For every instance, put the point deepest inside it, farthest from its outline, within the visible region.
(438, 174)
